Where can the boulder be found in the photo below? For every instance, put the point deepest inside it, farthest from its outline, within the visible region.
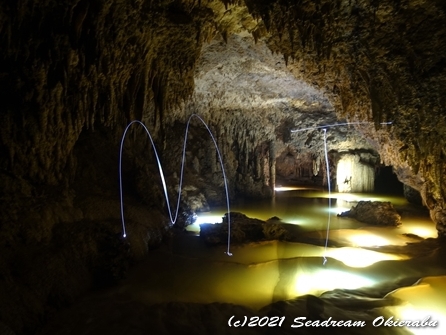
(379, 213)
(243, 229)
(412, 195)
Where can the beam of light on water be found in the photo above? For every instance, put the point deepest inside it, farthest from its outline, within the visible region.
(412, 313)
(204, 218)
(362, 238)
(174, 217)
(361, 258)
(208, 219)
(422, 300)
(290, 188)
(321, 280)
(421, 227)
(353, 198)
(340, 207)
(318, 281)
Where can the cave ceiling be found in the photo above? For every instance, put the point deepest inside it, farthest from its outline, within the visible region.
(246, 89)
(75, 73)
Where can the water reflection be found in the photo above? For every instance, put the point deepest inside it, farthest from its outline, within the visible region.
(422, 301)
(283, 270)
(308, 209)
(370, 273)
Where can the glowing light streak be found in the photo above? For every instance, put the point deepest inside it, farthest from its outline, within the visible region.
(173, 218)
(287, 188)
(324, 128)
(329, 193)
(335, 125)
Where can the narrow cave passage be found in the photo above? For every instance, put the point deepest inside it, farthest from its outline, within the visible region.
(387, 182)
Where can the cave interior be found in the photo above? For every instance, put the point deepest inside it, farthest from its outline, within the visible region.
(300, 106)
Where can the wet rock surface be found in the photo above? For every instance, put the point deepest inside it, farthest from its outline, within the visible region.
(412, 195)
(130, 308)
(243, 229)
(379, 213)
(203, 319)
(73, 74)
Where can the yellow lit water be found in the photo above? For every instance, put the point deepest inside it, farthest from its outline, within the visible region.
(261, 273)
(371, 263)
(308, 208)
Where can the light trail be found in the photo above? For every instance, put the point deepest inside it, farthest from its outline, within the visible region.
(335, 125)
(324, 128)
(173, 218)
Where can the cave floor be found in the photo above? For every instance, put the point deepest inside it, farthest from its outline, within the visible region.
(185, 287)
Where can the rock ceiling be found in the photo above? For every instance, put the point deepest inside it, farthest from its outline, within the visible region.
(77, 65)
(243, 78)
(74, 73)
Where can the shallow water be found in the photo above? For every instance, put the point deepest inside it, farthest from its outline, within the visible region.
(354, 265)
(374, 273)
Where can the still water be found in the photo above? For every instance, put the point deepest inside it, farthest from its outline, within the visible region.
(308, 208)
(371, 272)
(370, 258)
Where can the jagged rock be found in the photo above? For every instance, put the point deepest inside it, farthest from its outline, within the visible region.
(194, 199)
(274, 231)
(243, 229)
(5, 330)
(412, 195)
(85, 68)
(380, 213)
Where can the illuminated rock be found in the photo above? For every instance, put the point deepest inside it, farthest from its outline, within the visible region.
(74, 73)
(380, 213)
(354, 175)
(243, 229)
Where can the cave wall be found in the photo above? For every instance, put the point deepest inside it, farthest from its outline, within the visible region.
(380, 61)
(260, 112)
(72, 65)
(74, 73)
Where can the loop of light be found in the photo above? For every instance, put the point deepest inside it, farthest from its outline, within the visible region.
(173, 218)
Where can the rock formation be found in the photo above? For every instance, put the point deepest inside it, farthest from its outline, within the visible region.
(243, 229)
(74, 73)
(355, 173)
(378, 213)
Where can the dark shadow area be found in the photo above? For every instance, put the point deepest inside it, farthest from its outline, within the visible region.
(386, 181)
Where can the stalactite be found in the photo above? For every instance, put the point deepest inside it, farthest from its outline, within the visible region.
(272, 164)
(224, 34)
(77, 80)
(316, 166)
